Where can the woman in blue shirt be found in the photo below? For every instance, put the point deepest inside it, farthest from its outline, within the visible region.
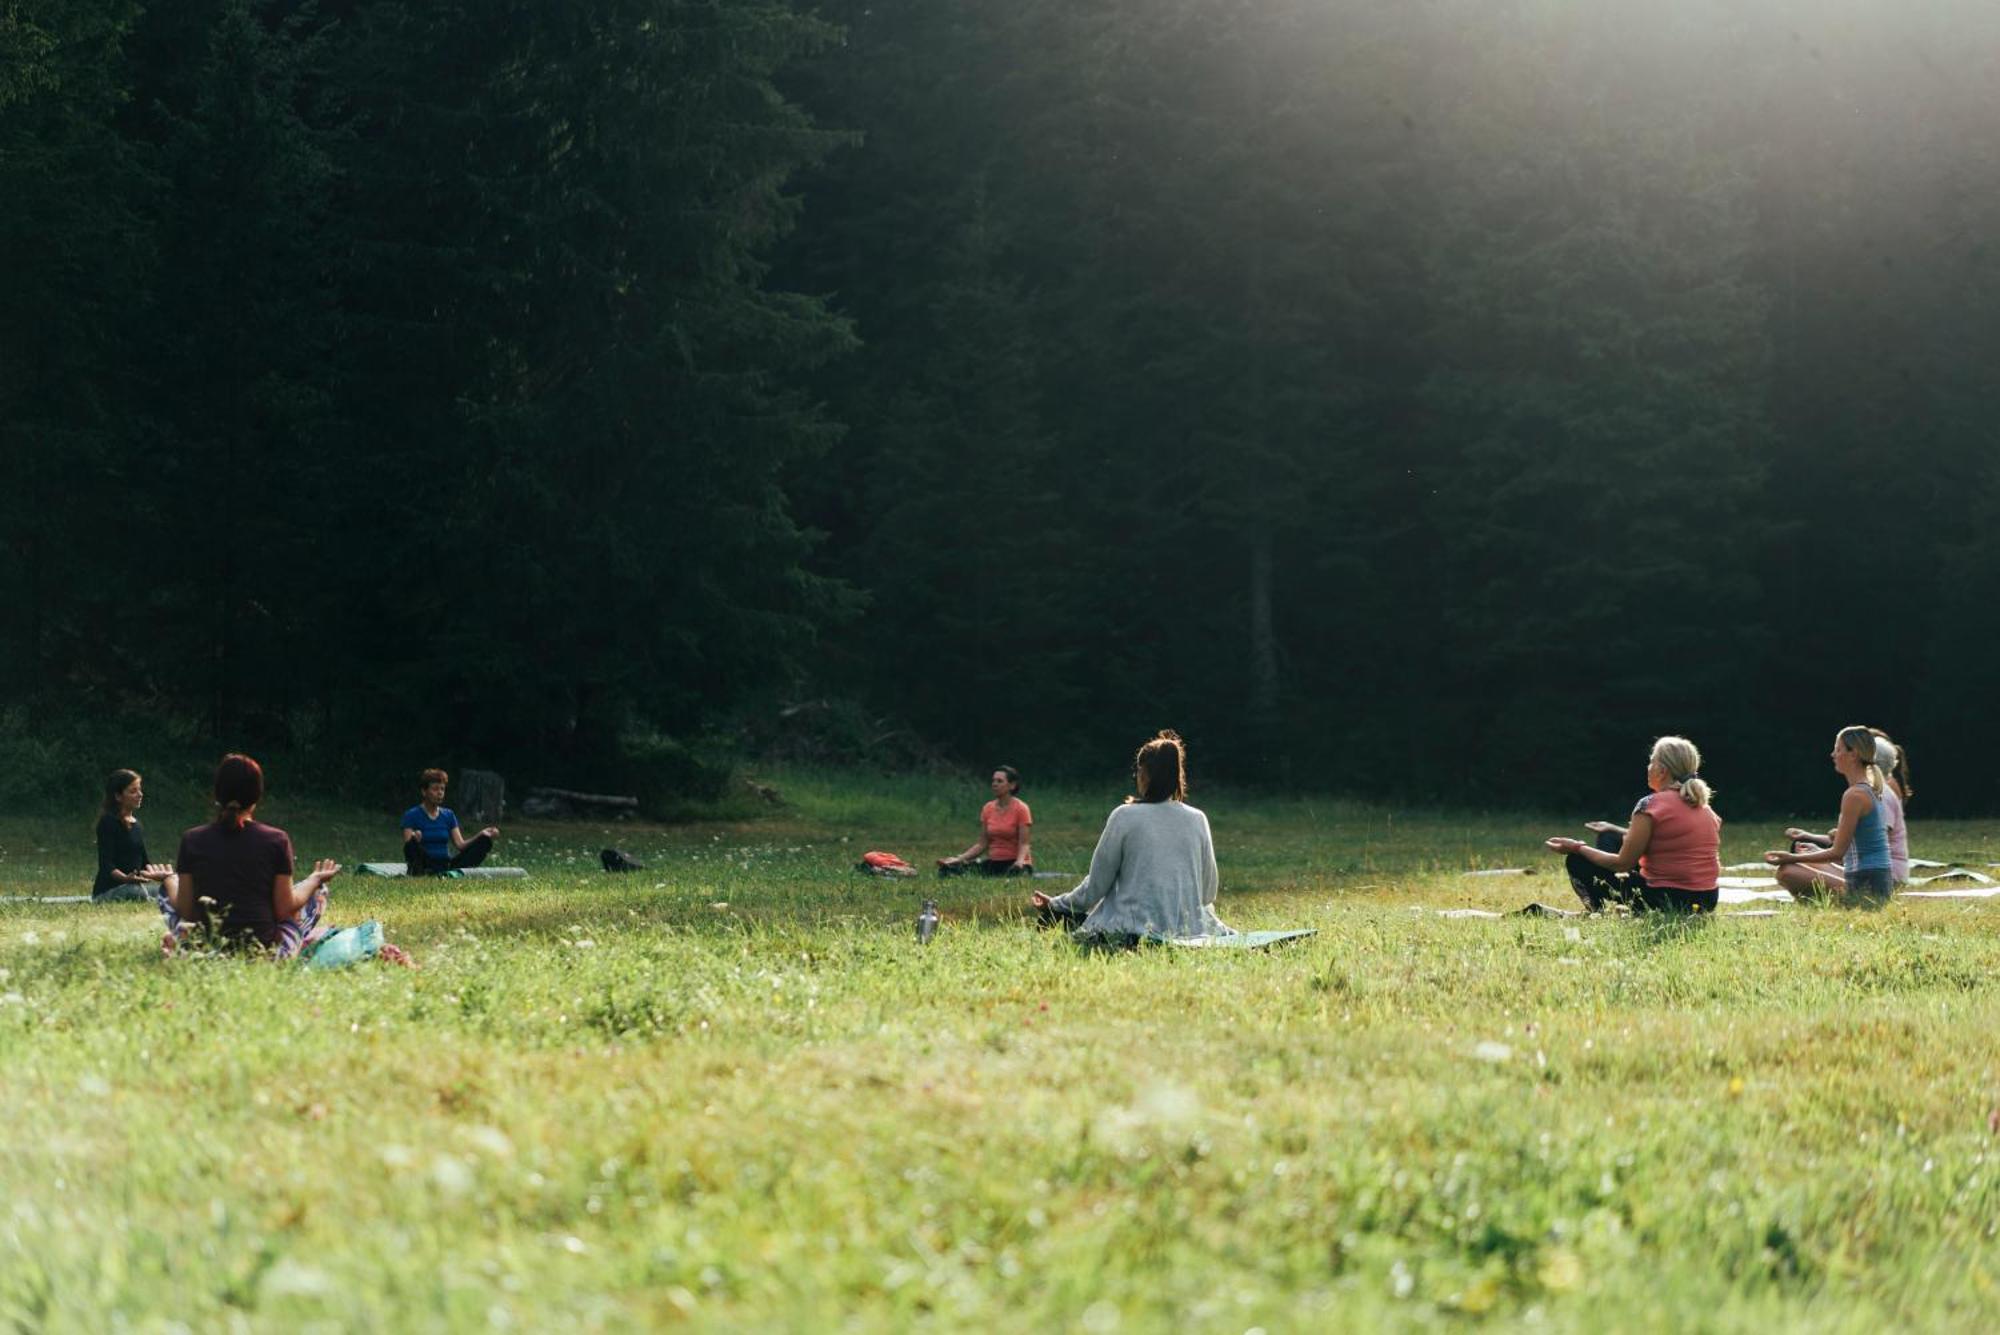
(1860, 840)
(433, 843)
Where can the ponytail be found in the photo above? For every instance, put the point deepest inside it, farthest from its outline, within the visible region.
(239, 786)
(1681, 760)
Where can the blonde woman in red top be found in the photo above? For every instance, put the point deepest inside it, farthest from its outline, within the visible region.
(1005, 825)
(1669, 858)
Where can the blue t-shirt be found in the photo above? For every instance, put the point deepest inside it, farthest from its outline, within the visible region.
(435, 832)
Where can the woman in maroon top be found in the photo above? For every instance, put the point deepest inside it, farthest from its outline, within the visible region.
(233, 876)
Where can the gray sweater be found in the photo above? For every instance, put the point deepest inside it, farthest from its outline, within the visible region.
(1153, 874)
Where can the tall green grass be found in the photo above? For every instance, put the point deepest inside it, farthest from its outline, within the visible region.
(731, 1091)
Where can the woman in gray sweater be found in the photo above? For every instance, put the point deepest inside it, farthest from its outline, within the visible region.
(1153, 875)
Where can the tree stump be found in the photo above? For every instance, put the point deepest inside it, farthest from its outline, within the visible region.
(479, 797)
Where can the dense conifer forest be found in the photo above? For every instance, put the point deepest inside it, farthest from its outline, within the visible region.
(1434, 399)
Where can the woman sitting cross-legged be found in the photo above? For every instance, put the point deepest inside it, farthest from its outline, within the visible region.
(433, 843)
(1860, 839)
(1153, 874)
(233, 878)
(1005, 827)
(1669, 857)
(123, 871)
(1894, 762)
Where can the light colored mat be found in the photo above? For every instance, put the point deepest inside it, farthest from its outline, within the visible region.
(483, 873)
(1955, 874)
(1971, 892)
(58, 899)
(1241, 940)
(1725, 893)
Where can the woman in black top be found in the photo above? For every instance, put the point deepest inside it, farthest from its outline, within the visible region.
(122, 869)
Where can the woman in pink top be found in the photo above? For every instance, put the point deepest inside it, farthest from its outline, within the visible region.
(1004, 826)
(1669, 858)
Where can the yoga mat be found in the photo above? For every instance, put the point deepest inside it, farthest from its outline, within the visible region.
(1974, 892)
(1955, 874)
(57, 899)
(1241, 940)
(398, 869)
(1726, 893)
(1536, 910)
(1501, 871)
(1745, 882)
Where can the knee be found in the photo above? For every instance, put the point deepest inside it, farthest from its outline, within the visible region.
(1796, 877)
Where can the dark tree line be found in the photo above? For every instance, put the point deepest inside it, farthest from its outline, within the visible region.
(1434, 400)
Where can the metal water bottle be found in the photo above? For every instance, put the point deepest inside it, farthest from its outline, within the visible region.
(927, 922)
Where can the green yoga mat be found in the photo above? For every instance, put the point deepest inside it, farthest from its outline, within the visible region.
(1241, 940)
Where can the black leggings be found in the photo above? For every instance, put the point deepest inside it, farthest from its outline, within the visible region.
(986, 867)
(1596, 886)
(420, 863)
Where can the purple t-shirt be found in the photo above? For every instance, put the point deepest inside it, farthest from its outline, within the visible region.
(235, 868)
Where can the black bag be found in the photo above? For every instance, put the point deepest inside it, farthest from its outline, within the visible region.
(618, 860)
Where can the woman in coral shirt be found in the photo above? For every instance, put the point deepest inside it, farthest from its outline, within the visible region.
(1004, 826)
(1668, 858)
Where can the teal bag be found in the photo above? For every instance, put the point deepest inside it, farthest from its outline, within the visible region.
(347, 946)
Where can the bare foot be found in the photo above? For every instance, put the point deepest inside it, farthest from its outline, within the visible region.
(395, 954)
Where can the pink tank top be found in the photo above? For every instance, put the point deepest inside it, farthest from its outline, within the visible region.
(1685, 851)
(1899, 835)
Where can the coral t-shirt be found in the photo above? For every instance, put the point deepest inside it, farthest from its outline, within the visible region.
(1003, 828)
(1685, 852)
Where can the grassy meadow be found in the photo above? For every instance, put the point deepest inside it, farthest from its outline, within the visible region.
(733, 1092)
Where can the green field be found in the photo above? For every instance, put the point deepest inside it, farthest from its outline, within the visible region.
(732, 1092)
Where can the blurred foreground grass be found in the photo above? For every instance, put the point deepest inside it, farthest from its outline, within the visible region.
(732, 1091)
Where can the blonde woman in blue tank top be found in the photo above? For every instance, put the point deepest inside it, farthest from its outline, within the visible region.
(1860, 841)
